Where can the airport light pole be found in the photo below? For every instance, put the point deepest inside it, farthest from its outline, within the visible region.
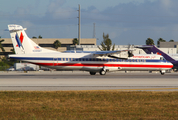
(79, 41)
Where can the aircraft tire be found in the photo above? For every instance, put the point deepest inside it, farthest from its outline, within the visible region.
(102, 72)
(92, 73)
(162, 73)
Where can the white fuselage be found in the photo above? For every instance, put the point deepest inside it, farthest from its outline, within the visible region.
(89, 62)
(93, 61)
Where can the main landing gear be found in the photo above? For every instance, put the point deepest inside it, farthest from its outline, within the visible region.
(92, 73)
(102, 72)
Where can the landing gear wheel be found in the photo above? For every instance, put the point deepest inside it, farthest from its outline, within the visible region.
(102, 72)
(162, 73)
(92, 73)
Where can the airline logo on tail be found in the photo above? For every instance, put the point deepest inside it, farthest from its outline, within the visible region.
(158, 53)
(36, 47)
(19, 40)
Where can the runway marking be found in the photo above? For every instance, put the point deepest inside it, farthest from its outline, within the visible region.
(142, 89)
(111, 88)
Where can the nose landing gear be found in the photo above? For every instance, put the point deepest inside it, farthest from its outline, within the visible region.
(162, 72)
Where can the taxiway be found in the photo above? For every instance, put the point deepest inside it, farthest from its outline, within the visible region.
(59, 81)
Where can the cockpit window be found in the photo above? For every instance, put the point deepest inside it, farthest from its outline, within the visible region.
(162, 58)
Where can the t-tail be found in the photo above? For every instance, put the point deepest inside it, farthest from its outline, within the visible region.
(22, 43)
(149, 49)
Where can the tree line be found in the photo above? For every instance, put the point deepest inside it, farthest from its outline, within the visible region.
(150, 41)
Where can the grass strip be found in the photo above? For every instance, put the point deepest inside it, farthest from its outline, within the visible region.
(88, 105)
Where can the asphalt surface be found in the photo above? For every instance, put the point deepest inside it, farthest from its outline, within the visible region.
(65, 81)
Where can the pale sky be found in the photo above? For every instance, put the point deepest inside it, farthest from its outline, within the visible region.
(126, 21)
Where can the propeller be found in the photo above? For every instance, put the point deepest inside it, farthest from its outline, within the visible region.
(130, 53)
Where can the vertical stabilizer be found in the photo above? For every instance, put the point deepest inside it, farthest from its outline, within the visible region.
(22, 43)
(152, 49)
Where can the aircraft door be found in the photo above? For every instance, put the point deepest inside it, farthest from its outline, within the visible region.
(55, 61)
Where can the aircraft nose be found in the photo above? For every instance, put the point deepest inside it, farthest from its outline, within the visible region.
(171, 65)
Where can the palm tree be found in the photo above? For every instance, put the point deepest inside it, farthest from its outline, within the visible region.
(40, 37)
(160, 40)
(171, 40)
(150, 41)
(75, 41)
(1, 47)
(106, 44)
(57, 44)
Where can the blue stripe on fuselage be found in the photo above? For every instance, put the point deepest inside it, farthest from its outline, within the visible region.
(88, 59)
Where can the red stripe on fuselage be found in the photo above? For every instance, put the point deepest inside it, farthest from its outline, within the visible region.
(102, 65)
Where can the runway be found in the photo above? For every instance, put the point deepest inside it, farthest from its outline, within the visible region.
(64, 81)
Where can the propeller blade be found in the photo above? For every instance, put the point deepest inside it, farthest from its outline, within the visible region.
(130, 54)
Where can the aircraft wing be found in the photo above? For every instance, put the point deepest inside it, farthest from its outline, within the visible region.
(102, 53)
(113, 54)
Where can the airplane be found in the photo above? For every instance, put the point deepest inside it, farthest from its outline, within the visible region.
(93, 62)
(149, 49)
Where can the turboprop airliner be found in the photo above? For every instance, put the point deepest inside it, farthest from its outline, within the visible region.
(93, 62)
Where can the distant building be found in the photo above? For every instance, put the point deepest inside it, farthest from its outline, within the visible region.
(169, 45)
(95, 48)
